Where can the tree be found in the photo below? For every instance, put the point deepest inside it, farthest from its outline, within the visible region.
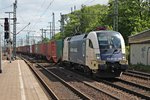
(45, 40)
(134, 16)
(86, 19)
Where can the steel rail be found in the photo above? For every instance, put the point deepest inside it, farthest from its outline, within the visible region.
(96, 88)
(100, 90)
(86, 83)
(133, 84)
(50, 92)
(138, 73)
(80, 94)
(124, 89)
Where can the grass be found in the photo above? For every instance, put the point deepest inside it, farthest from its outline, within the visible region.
(127, 52)
(140, 67)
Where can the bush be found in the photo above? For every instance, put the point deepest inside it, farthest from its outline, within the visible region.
(140, 67)
(127, 53)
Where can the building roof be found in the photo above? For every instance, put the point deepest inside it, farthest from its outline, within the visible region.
(142, 37)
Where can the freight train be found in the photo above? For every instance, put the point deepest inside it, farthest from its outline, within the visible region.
(99, 53)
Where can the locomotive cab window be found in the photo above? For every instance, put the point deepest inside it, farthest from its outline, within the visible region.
(109, 41)
(90, 44)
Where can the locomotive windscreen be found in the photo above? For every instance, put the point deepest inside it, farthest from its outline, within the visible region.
(109, 40)
(110, 45)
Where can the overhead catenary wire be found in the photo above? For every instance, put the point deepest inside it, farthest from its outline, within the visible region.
(47, 8)
(38, 10)
(42, 14)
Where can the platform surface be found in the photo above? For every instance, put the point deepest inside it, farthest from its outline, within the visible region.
(17, 82)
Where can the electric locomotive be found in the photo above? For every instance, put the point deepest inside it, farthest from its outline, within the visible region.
(99, 52)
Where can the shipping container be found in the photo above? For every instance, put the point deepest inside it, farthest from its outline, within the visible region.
(30, 49)
(53, 50)
(59, 49)
(33, 48)
(37, 49)
(48, 52)
(44, 49)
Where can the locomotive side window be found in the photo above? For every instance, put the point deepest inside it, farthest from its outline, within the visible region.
(115, 42)
(90, 44)
(83, 49)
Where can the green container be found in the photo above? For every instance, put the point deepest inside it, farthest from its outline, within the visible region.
(59, 49)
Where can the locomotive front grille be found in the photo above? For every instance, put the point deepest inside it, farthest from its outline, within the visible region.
(113, 66)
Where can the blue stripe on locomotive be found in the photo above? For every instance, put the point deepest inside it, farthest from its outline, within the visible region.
(112, 55)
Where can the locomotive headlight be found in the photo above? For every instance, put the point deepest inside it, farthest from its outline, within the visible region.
(97, 56)
(123, 62)
(123, 57)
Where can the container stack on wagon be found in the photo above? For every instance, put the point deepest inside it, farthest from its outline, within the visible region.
(52, 50)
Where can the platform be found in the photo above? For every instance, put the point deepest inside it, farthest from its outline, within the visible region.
(17, 82)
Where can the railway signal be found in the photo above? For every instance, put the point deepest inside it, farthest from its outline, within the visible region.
(6, 29)
(6, 25)
(6, 35)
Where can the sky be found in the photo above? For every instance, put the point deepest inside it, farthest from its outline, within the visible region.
(39, 12)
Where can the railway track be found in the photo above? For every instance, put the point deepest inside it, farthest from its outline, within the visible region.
(141, 91)
(59, 90)
(99, 86)
(129, 87)
(85, 87)
(142, 75)
(92, 91)
(80, 89)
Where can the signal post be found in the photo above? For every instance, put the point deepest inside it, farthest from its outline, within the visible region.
(7, 34)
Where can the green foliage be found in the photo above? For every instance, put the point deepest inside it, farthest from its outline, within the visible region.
(86, 19)
(127, 53)
(134, 17)
(140, 67)
(45, 40)
(58, 36)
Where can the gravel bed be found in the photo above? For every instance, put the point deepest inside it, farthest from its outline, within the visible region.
(133, 88)
(92, 93)
(56, 86)
(46, 64)
(119, 93)
(109, 89)
(136, 80)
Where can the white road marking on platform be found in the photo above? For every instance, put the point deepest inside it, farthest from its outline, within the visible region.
(21, 83)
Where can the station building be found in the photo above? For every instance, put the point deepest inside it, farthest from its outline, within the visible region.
(140, 48)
